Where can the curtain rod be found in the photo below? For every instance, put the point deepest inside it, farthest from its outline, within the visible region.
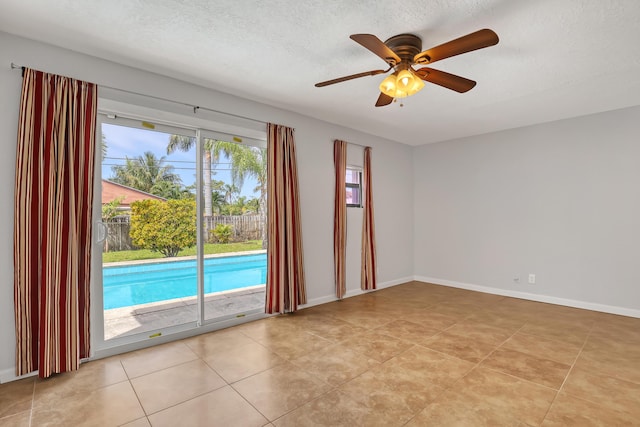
(359, 145)
(195, 107)
(353, 143)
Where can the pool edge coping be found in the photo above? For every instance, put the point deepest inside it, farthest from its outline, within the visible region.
(182, 258)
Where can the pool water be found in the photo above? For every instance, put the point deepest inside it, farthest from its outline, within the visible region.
(128, 285)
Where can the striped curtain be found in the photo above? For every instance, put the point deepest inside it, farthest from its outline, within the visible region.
(52, 222)
(340, 217)
(285, 288)
(368, 274)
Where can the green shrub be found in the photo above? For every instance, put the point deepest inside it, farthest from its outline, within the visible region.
(223, 232)
(165, 227)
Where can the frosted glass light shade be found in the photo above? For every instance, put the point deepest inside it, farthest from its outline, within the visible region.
(417, 86)
(401, 84)
(388, 86)
(404, 80)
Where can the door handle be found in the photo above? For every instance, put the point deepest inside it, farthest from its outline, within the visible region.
(101, 231)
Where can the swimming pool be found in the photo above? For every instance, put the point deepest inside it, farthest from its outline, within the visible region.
(134, 284)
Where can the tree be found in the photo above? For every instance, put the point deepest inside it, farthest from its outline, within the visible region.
(110, 209)
(143, 172)
(241, 203)
(185, 143)
(171, 190)
(165, 227)
(229, 190)
(247, 161)
(253, 205)
(217, 201)
(231, 209)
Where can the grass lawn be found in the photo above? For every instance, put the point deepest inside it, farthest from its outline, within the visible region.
(209, 248)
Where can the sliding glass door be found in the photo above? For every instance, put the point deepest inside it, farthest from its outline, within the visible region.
(148, 222)
(181, 229)
(234, 225)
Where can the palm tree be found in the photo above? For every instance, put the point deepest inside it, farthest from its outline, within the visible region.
(145, 171)
(185, 143)
(217, 201)
(228, 191)
(253, 205)
(246, 161)
(171, 190)
(241, 204)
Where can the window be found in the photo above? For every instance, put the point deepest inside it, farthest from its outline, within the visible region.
(354, 187)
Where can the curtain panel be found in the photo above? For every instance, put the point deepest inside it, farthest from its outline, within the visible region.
(285, 288)
(340, 217)
(368, 264)
(52, 222)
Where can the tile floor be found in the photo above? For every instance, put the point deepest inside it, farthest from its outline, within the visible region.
(412, 355)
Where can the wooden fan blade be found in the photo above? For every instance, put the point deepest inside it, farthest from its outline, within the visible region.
(478, 40)
(450, 81)
(376, 46)
(351, 77)
(384, 100)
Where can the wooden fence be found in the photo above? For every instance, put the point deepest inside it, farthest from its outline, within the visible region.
(118, 238)
(245, 227)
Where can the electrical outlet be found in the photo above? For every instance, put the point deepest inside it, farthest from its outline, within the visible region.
(532, 279)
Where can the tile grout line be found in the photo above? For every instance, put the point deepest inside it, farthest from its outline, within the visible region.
(33, 402)
(134, 392)
(185, 401)
(568, 373)
(231, 384)
(450, 386)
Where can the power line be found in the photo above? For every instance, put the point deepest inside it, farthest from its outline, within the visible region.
(167, 161)
(175, 168)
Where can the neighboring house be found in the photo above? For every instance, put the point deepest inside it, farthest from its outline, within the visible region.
(118, 227)
(112, 191)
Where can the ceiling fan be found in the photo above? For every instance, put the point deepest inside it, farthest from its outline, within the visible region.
(404, 51)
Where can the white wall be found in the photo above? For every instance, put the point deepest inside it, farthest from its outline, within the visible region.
(391, 165)
(561, 200)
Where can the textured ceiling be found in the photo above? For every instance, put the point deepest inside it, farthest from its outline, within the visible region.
(556, 58)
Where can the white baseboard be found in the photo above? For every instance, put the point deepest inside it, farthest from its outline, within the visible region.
(533, 297)
(7, 375)
(395, 282)
(355, 292)
(318, 301)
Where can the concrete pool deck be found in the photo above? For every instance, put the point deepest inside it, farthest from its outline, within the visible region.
(148, 317)
(142, 318)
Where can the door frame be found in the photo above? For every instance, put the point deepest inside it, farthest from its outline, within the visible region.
(100, 347)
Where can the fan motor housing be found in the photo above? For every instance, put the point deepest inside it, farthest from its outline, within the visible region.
(406, 46)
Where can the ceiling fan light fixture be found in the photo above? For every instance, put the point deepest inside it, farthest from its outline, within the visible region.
(404, 80)
(418, 85)
(403, 51)
(389, 86)
(401, 84)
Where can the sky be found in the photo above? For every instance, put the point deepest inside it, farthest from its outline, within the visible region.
(123, 142)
